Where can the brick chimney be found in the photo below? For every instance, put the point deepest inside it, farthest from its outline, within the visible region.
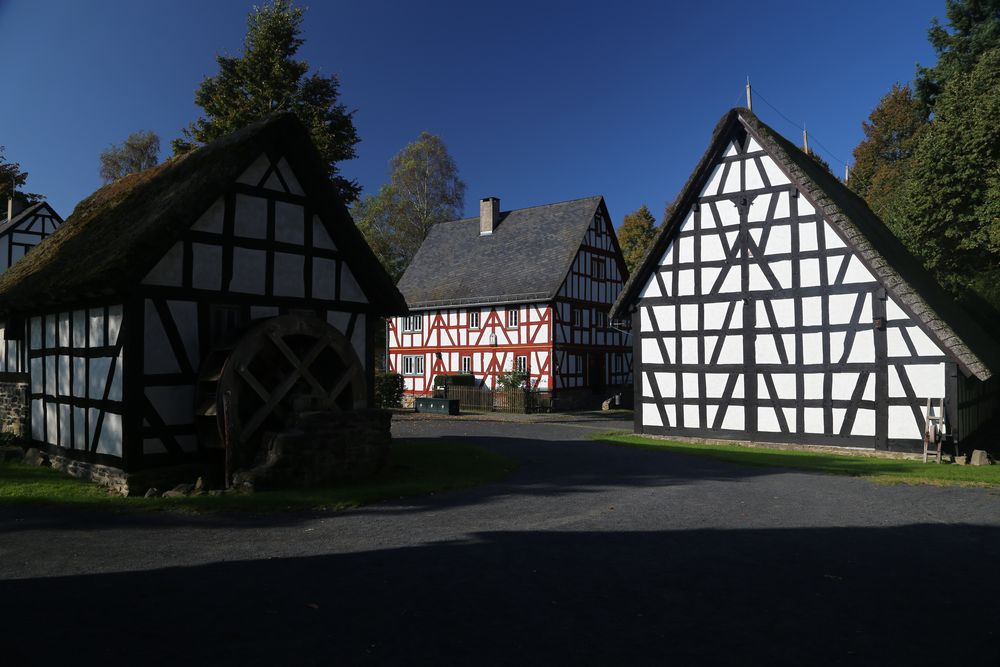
(489, 215)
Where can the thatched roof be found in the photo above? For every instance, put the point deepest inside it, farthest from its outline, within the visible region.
(525, 259)
(976, 350)
(116, 235)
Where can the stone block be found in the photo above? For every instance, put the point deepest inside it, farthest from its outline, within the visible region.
(979, 458)
(34, 457)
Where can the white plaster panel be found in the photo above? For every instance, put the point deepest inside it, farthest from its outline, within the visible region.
(710, 412)
(51, 424)
(715, 315)
(729, 214)
(711, 248)
(651, 352)
(324, 278)
(115, 391)
(734, 420)
(36, 333)
(732, 350)
(349, 288)
(837, 340)
(838, 418)
(685, 282)
(153, 446)
(812, 420)
(710, 343)
(869, 393)
(842, 307)
(758, 281)
(185, 314)
(668, 255)
(857, 273)
(927, 380)
(844, 384)
(289, 223)
(753, 146)
(114, 323)
(812, 310)
(358, 339)
(767, 420)
(79, 428)
(652, 289)
(774, 174)
(99, 367)
(758, 208)
(206, 271)
(807, 236)
(666, 317)
(715, 384)
(249, 271)
(64, 426)
(864, 422)
(175, 405)
(37, 419)
(692, 419)
(289, 175)
(780, 240)
(50, 331)
(832, 238)
(893, 311)
(902, 424)
(863, 349)
(833, 263)
(784, 384)
(732, 281)
(812, 348)
(781, 209)
(714, 181)
(685, 249)
(812, 385)
(895, 385)
(738, 387)
(255, 172)
(924, 345)
(689, 382)
(79, 377)
(732, 151)
(784, 313)
(805, 206)
(753, 180)
(289, 274)
(158, 356)
(64, 329)
(62, 363)
(689, 350)
(169, 271)
(688, 224)
(809, 272)
(110, 441)
(689, 317)
(211, 220)
(321, 239)
(251, 217)
(756, 235)
(707, 219)
(651, 415)
(732, 179)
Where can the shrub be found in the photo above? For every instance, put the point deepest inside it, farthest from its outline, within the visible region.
(513, 380)
(454, 380)
(388, 390)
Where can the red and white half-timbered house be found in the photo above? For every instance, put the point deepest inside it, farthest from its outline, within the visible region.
(526, 290)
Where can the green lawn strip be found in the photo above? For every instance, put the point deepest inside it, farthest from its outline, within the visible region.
(888, 471)
(417, 468)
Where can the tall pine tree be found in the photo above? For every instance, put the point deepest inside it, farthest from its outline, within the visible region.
(266, 79)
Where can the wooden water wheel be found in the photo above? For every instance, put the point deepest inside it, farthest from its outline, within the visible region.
(278, 368)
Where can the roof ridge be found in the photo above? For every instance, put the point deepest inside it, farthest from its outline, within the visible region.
(526, 208)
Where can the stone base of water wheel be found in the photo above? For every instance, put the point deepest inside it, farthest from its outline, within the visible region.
(322, 449)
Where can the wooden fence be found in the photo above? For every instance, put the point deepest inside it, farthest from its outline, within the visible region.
(483, 399)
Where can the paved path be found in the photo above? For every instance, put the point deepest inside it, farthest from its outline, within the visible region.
(588, 554)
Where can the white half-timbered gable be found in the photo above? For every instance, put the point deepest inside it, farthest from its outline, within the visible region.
(773, 307)
(132, 311)
(526, 290)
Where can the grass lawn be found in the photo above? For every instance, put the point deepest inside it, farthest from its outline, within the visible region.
(887, 471)
(416, 469)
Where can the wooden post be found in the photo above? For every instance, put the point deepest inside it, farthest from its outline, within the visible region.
(749, 96)
(805, 140)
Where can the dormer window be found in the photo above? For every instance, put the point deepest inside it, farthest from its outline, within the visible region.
(413, 323)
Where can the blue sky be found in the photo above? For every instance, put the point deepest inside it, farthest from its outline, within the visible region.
(537, 101)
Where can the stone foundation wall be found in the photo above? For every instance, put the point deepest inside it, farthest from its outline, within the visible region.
(14, 408)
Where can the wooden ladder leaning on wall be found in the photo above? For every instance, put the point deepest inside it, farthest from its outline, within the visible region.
(934, 430)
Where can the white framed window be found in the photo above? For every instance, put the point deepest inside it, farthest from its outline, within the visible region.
(413, 323)
(413, 364)
(577, 317)
(473, 319)
(521, 364)
(512, 318)
(597, 268)
(467, 364)
(601, 319)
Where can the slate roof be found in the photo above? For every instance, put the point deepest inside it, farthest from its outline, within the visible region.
(6, 224)
(526, 259)
(975, 349)
(116, 235)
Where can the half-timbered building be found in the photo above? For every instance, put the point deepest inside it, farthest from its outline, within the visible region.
(21, 231)
(526, 290)
(775, 306)
(138, 308)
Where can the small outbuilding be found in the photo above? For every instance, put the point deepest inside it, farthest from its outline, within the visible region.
(213, 295)
(775, 306)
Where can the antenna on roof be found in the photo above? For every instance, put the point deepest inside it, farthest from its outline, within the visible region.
(749, 95)
(805, 139)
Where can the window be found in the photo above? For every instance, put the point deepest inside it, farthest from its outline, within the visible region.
(597, 268)
(601, 319)
(467, 363)
(521, 365)
(413, 323)
(473, 319)
(577, 317)
(511, 318)
(413, 364)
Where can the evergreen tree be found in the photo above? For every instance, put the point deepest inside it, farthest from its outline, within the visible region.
(141, 150)
(423, 190)
(267, 79)
(634, 236)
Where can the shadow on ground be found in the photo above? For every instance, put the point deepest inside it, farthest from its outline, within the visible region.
(917, 594)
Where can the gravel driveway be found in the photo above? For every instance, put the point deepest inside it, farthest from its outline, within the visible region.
(588, 554)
